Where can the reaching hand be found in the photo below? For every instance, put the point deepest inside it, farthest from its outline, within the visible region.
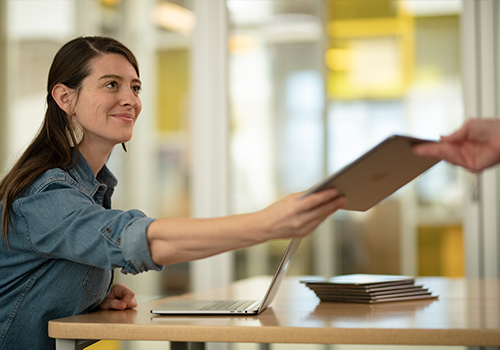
(297, 216)
(475, 146)
(120, 297)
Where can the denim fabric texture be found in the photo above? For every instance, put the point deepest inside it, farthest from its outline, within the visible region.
(64, 246)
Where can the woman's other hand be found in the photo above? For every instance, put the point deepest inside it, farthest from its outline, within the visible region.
(120, 297)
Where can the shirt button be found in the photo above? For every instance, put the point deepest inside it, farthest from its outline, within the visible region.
(108, 230)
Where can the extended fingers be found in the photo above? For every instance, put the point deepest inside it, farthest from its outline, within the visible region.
(448, 151)
(327, 208)
(433, 150)
(314, 200)
(461, 134)
(317, 211)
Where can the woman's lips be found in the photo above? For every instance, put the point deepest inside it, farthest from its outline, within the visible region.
(129, 118)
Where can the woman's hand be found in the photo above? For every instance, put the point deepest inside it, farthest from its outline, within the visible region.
(298, 216)
(120, 297)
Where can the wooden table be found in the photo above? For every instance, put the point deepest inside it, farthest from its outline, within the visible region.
(466, 313)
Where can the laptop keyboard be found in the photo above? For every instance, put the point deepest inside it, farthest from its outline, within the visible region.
(229, 305)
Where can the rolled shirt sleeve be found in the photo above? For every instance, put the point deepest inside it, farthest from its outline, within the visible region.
(132, 241)
(62, 222)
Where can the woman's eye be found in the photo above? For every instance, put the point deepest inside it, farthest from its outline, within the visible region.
(136, 89)
(112, 85)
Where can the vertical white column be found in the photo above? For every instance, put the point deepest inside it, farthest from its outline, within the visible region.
(137, 167)
(481, 204)
(9, 156)
(325, 239)
(88, 19)
(470, 91)
(141, 167)
(209, 130)
(489, 188)
(3, 87)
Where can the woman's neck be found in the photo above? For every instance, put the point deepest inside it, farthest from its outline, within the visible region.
(95, 158)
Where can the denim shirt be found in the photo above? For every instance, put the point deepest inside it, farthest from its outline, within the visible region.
(65, 242)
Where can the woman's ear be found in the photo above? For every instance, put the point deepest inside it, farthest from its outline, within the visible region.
(63, 97)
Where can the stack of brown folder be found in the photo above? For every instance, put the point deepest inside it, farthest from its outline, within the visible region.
(365, 288)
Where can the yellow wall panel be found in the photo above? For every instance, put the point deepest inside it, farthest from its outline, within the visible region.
(441, 251)
(173, 90)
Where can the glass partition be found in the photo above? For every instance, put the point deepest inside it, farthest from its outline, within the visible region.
(277, 99)
(308, 98)
(394, 68)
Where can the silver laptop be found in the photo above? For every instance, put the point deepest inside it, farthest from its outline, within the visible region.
(369, 179)
(233, 307)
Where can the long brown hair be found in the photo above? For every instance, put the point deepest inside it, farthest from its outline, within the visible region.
(51, 147)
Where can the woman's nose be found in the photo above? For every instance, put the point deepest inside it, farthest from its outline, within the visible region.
(130, 98)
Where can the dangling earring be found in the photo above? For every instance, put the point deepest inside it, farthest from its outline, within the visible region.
(77, 133)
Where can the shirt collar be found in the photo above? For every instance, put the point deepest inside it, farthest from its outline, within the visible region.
(84, 175)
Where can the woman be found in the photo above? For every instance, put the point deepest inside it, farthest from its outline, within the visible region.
(61, 237)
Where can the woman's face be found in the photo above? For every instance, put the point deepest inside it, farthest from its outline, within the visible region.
(108, 103)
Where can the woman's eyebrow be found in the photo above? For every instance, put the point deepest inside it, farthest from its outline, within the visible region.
(118, 77)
